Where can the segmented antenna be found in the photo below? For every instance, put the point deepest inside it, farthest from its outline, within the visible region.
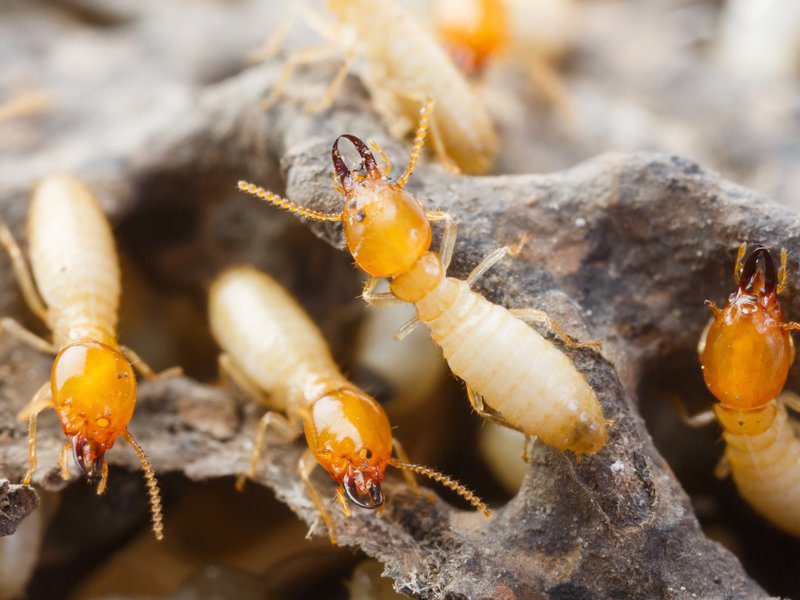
(446, 481)
(292, 207)
(419, 141)
(152, 486)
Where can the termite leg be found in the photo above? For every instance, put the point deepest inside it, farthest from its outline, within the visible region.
(41, 400)
(534, 315)
(333, 87)
(374, 298)
(103, 483)
(476, 401)
(276, 42)
(342, 500)
(22, 273)
(790, 400)
(696, 421)
(144, 369)
(723, 468)
(15, 330)
(419, 140)
(407, 475)
(783, 271)
(493, 258)
(305, 466)
(63, 461)
(304, 56)
(387, 164)
(406, 329)
(240, 379)
(738, 266)
(285, 429)
(546, 79)
(712, 306)
(449, 235)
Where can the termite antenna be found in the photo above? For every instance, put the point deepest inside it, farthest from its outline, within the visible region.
(286, 204)
(152, 486)
(446, 481)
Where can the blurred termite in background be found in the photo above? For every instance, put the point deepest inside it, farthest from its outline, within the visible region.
(402, 65)
(73, 285)
(745, 352)
(534, 35)
(536, 388)
(273, 352)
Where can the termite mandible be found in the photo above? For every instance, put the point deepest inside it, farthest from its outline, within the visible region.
(535, 388)
(403, 65)
(745, 354)
(274, 353)
(73, 285)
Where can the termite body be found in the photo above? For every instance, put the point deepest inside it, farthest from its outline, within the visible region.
(745, 354)
(73, 285)
(402, 66)
(513, 374)
(274, 352)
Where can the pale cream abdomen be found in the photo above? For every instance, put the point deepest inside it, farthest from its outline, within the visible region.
(527, 380)
(270, 338)
(74, 261)
(766, 470)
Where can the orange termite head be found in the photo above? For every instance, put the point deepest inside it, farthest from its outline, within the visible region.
(746, 350)
(473, 30)
(351, 438)
(94, 394)
(385, 227)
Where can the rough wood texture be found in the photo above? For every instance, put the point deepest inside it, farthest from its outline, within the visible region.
(623, 248)
(16, 503)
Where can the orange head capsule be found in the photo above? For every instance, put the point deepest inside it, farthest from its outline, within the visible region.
(473, 30)
(352, 440)
(94, 394)
(746, 351)
(385, 227)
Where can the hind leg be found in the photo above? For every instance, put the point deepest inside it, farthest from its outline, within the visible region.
(286, 430)
(40, 401)
(534, 315)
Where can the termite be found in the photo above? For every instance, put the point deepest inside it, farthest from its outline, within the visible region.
(73, 284)
(745, 354)
(513, 374)
(403, 65)
(274, 352)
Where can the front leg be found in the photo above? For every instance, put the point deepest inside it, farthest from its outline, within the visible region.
(17, 331)
(305, 467)
(144, 369)
(374, 298)
(493, 258)
(287, 431)
(449, 235)
(40, 401)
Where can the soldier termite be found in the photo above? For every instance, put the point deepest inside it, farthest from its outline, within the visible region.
(403, 65)
(745, 353)
(535, 388)
(73, 285)
(276, 354)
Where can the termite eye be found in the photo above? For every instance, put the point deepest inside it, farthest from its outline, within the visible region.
(360, 216)
(369, 453)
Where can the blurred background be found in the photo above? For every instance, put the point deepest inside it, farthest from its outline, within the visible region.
(83, 83)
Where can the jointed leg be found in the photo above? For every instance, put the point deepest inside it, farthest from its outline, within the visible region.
(333, 87)
(309, 16)
(546, 78)
(476, 401)
(301, 57)
(698, 420)
(790, 400)
(22, 273)
(533, 315)
(144, 369)
(41, 400)
(492, 259)
(14, 329)
(449, 234)
(240, 378)
(739, 266)
(285, 429)
(377, 298)
(406, 329)
(419, 140)
(723, 468)
(783, 270)
(305, 467)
